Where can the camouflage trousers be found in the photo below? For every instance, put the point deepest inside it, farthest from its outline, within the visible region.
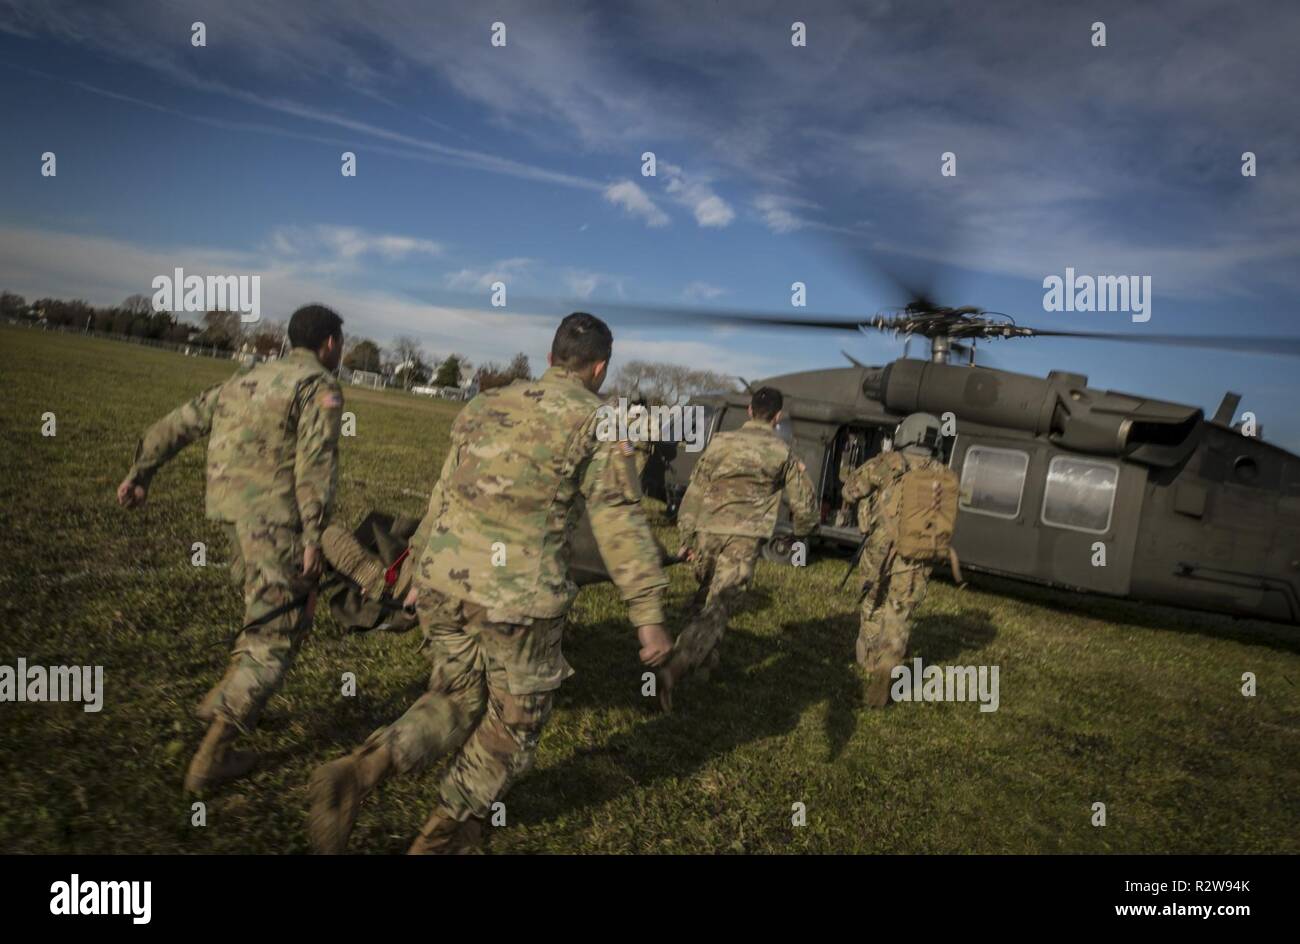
(724, 567)
(897, 587)
(489, 697)
(267, 560)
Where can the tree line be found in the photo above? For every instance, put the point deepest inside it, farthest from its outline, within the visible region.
(404, 362)
(668, 384)
(135, 317)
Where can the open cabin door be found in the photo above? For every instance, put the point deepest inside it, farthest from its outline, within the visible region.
(844, 449)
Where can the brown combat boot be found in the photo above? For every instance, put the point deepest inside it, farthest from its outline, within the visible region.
(879, 681)
(442, 835)
(336, 792)
(216, 762)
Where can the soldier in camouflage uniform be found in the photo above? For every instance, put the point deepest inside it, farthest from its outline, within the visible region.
(492, 589)
(272, 469)
(893, 586)
(729, 510)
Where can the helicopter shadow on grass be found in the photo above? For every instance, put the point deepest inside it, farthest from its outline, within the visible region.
(1278, 636)
(764, 687)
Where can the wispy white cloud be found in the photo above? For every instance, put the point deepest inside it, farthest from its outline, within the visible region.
(503, 270)
(778, 213)
(348, 243)
(584, 284)
(1034, 121)
(696, 193)
(634, 201)
(702, 291)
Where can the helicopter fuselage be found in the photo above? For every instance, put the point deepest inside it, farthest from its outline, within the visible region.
(1061, 484)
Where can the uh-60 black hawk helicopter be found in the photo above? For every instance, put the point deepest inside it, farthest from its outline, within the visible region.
(1187, 510)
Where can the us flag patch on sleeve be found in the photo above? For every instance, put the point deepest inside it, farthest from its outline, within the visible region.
(626, 448)
(331, 400)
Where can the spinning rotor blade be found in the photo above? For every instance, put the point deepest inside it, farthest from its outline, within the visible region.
(687, 316)
(1250, 344)
(964, 323)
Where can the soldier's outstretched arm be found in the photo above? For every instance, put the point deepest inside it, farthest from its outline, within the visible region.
(801, 497)
(162, 440)
(609, 484)
(316, 463)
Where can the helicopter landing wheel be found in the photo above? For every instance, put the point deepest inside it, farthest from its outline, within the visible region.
(779, 550)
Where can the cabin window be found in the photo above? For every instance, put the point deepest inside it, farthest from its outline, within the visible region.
(993, 481)
(1080, 494)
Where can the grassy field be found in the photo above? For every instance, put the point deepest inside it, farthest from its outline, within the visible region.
(1137, 707)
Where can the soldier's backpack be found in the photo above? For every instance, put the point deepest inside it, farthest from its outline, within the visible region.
(927, 512)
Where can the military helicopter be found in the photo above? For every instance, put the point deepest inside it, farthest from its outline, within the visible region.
(1062, 484)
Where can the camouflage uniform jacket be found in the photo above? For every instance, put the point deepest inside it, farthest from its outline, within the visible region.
(524, 460)
(875, 485)
(273, 443)
(736, 486)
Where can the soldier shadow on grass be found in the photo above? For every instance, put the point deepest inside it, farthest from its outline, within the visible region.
(349, 721)
(765, 685)
(942, 638)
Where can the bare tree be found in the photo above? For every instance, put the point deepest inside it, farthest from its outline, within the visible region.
(519, 368)
(268, 339)
(137, 305)
(658, 382)
(222, 329)
(411, 367)
(13, 305)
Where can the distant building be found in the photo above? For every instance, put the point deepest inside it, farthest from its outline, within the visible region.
(447, 393)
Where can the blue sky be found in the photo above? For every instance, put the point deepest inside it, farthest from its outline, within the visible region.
(775, 164)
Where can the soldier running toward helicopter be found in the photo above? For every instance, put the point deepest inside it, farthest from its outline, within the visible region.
(907, 508)
(729, 510)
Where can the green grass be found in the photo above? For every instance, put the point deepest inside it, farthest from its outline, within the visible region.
(1138, 707)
